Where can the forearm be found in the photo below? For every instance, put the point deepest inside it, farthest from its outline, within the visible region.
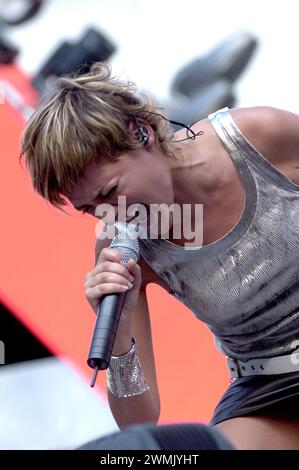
(133, 410)
(142, 407)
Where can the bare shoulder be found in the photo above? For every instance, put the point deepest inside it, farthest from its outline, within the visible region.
(147, 273)
(274, 132)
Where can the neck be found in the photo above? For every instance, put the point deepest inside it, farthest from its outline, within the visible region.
(188, 172)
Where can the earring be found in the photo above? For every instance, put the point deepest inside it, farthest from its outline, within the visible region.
(142, 131)
(144, 135)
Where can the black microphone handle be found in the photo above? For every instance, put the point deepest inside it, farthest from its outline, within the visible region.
(108, 316)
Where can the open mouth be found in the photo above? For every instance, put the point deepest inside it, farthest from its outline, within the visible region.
(134, 217)
(142, 223)
(139, 216)
(129, 220)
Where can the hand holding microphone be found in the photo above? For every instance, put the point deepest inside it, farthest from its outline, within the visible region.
(112, 297)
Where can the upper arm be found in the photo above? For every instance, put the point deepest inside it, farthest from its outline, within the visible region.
(274, 132)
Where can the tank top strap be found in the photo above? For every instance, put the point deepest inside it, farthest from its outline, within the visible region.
(231, 137)
(243, 152)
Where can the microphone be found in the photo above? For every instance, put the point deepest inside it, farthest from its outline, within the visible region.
(110, 307)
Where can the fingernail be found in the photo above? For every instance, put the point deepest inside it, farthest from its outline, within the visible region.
(130, 285)
(131, 278)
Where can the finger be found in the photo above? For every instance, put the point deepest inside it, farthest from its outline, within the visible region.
(109, 266)
(133, 266)
(135, 271)
(94, 293)
(108, 277)
(110, 254)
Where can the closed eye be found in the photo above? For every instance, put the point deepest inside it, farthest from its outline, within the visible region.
(87, 209)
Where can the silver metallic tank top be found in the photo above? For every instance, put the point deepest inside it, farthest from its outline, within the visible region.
(244, 286)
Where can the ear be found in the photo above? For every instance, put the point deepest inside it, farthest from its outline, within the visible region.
(133, 129)
(143, 129)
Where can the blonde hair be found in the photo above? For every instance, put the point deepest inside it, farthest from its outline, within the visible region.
(85, 119)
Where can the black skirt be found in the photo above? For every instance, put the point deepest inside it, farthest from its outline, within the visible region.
(275, 396)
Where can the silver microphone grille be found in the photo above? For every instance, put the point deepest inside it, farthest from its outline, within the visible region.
(126, 241)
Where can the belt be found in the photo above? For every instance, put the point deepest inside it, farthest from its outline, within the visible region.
(263, 366)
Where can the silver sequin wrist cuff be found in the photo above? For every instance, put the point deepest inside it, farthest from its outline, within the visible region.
(124, 375)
